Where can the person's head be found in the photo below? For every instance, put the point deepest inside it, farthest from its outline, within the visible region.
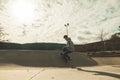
(65, 37)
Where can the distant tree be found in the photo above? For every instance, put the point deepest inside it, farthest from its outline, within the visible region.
(102, 36)
(2, 36)
(119, 28)
(116, 35)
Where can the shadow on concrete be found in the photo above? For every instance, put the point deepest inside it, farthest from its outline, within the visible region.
(101, 73)
(117, 66)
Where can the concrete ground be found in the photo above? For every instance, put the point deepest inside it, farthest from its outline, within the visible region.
(80, 73)
(11, 67)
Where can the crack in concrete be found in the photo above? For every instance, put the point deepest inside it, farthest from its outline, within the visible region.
(36, 74)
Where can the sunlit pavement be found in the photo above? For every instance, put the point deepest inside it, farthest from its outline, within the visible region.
(80, 73)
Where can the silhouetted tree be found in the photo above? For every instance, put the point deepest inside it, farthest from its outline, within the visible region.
(119, 28)
(102, 36)
(115, 36)
(2, 36)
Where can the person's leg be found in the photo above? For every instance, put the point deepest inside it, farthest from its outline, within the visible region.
(64, 49)
(65, 57)
(66, 54)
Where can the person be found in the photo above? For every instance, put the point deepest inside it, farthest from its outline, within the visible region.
(69, 48)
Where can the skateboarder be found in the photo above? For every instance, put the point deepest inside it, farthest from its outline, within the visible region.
(69, 48)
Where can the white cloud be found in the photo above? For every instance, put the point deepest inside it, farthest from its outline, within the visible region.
(86, 19)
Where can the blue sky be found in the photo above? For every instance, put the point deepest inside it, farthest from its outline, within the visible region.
(28, 21)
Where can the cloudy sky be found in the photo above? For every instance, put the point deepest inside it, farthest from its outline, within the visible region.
(28, 21)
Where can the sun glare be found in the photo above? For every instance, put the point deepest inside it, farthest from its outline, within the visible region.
(23, 11)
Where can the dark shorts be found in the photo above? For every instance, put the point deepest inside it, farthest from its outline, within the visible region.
(66, 50)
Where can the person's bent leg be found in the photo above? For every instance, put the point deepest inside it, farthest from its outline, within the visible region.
(66, 54)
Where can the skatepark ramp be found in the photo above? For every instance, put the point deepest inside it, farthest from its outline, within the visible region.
(39, 58)
(107, 60)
